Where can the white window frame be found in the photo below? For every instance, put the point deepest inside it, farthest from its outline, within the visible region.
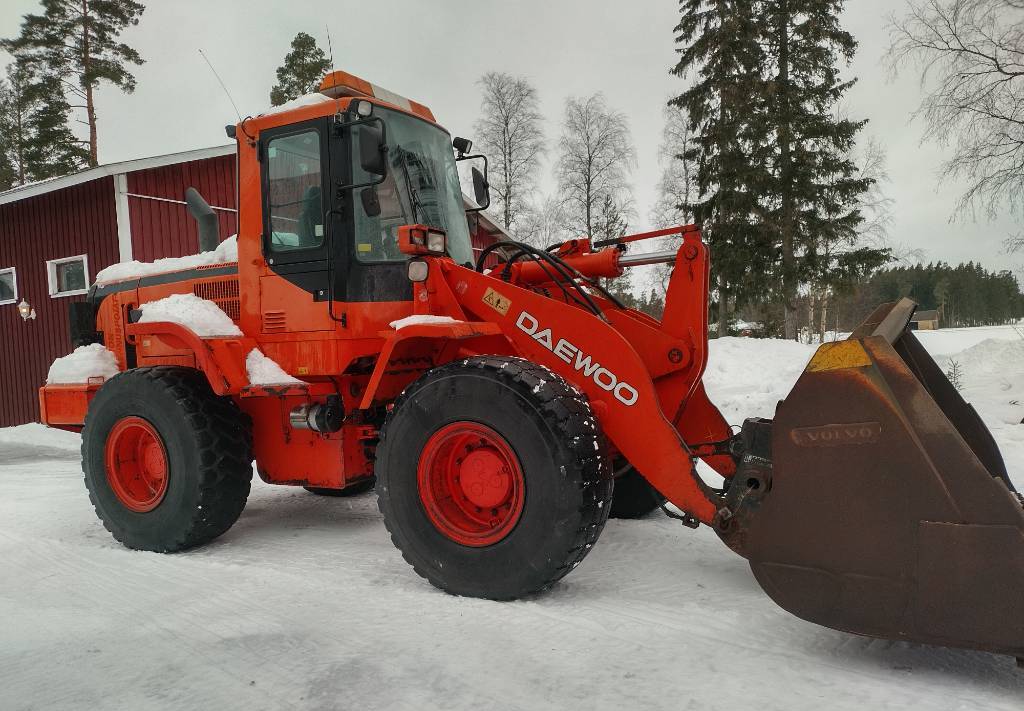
(51, 276)
(14, 272)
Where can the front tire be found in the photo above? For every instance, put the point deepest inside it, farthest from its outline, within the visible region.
(167, 463)
(634, 496)
(492, 478)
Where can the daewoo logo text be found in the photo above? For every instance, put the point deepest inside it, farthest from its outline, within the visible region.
(605, 379)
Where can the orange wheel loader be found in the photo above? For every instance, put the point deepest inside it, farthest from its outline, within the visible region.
(505, 403)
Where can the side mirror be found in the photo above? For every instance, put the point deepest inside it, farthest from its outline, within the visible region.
(371, 203)
(371, 149)
(473, 176)
(481, 188)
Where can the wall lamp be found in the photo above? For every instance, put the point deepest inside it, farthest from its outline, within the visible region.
(26, 311)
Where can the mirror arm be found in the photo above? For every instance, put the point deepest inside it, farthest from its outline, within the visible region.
(340, 188)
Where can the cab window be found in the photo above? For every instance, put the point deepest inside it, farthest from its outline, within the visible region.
(295, 190)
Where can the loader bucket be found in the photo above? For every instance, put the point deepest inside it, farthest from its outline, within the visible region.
(889, 512)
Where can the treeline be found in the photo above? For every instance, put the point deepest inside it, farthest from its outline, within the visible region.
(964, 295)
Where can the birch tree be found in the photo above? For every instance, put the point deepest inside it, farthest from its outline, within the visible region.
(970, 58)
(596, 156)
(510, 134)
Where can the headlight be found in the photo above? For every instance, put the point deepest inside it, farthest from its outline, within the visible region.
(436, 242)
(418, 270)
(421, 239)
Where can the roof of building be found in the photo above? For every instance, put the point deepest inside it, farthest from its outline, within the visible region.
(932, 315)
(28, 190)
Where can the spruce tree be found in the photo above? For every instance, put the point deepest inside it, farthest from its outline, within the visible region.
(721, 55)
(303, 69)
(8, 173)
(51, 149)
(813, 191)
(79, 42)
(36, 139)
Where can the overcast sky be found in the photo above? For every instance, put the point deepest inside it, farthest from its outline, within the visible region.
(434, 51)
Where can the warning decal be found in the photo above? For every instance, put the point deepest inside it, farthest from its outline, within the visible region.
(497, 302)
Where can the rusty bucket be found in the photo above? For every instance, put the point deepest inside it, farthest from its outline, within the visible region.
(884, 507)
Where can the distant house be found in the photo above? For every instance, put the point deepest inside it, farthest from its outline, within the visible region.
(925, 321)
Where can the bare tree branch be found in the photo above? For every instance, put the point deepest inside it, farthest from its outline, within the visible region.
(970, 55)
(596, 155)
(509, 132)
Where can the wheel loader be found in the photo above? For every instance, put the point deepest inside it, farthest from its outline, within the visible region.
(504, 401)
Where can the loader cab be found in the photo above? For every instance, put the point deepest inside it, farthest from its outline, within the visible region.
(336, 189)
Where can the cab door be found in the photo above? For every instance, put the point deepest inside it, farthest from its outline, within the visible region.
(295, 179)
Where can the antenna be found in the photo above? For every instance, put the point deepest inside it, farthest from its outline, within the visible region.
(221, 81)
(330, 48)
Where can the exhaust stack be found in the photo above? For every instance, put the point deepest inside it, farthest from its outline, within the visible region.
(206, 220)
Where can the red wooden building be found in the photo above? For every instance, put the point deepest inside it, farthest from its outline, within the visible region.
(55, 236)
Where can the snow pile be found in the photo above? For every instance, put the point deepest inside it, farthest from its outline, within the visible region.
(86, 362)
(40, 436)
(947, 341)
(746, 377)
(202, 317)
(298, 103)
(990, 357)
(265, 371)
(421, 320)
(992, 379)
(225, 253)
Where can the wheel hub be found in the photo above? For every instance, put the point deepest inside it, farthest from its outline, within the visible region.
(485, 477)
(471, 484)
(136, 464)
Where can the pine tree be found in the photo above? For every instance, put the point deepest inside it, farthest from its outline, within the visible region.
(303, 69)
(8, 172)
(79, 42)
(720, 52)
(51, 149)
(36, 139)
(814, 188)
(610, 220)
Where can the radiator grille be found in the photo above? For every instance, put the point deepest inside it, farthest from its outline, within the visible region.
(223, 293)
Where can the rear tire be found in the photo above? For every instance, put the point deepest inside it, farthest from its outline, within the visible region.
(167, 463)
(360, 487)
(539, 488)
(634, 496)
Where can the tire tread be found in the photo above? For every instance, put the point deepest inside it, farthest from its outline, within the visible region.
(225, 455)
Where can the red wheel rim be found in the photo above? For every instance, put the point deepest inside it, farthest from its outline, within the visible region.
(136, 464)
(471, 484)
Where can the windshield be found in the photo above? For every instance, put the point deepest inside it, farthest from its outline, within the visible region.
(422, 187)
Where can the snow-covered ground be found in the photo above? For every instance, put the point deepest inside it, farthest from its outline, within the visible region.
(306, 604)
